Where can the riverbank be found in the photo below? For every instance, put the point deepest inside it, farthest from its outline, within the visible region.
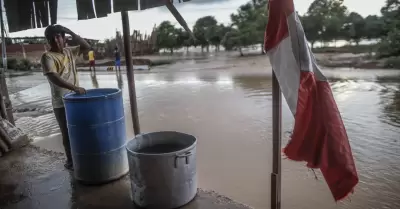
(360, 61)
(337, 58)
(331, 60)
(151, 60)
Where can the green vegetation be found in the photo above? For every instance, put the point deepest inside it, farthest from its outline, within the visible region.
(247, 28)
(390, 44)
(168, 36)
(392, 62)
(18, 64)
(326, 21)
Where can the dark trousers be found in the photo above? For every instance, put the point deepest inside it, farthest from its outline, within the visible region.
(62, 122)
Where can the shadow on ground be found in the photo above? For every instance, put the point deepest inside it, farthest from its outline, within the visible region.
(32, 178)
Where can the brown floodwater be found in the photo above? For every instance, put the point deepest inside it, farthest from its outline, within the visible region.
(226, 102)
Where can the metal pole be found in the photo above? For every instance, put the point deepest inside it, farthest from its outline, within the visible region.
(3, 112)
(276, 141)
(129, 71)
(3, 42)
(5, 96)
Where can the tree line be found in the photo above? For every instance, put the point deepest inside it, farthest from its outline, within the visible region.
(325, 21)
(247, 28)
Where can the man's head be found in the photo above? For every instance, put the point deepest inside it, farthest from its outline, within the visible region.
(56, 37)
(116, 48)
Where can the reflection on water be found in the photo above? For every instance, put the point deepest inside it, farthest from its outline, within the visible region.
(255, 85)
(230, 112)
(392, 109)
(119, 79)
(391, 100)
(95, 83)
(16, 83)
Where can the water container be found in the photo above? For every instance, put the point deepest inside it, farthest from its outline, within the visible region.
(96, 127)
(162, 169)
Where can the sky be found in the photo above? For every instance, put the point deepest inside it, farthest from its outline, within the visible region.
(144, 21)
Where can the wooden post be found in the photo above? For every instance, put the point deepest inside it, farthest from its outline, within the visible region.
(276, 144)
(53, 5)
(179, 18)
(3, 83)
(129, 71)
(3, 112)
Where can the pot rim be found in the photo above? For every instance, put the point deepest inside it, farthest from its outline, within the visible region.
(131, 152)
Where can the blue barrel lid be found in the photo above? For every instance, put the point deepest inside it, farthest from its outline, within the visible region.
(101, 93)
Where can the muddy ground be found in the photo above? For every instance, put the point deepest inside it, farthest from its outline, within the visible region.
(32, 178)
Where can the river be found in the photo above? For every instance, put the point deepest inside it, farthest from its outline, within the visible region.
(226, 102)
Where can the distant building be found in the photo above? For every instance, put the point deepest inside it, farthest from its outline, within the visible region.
(32, 48)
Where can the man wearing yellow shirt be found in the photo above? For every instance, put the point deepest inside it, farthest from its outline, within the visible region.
(91, 60)
(59, 66)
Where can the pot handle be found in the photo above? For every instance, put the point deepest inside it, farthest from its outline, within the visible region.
(184, 155)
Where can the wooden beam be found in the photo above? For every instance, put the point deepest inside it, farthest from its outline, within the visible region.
(3, 83)
(129, 71)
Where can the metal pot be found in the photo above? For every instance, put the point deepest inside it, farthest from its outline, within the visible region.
(162, 169)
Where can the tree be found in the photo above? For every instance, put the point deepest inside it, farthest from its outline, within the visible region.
(328, 17)
(250, 22)
(109, 46)
(232, 40)
(167, 36)
(261, 21)
(390, 44)
(203, 30)
(217, 33)
(311, 29)
(373, 27)
(354, 28)
(391, 15)
(184, 39)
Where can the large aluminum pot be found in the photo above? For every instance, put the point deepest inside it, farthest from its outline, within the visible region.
(162, 169)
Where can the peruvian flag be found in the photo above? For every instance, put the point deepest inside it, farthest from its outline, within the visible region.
(319, 136)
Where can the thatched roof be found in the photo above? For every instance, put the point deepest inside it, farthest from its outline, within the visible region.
(37, 16)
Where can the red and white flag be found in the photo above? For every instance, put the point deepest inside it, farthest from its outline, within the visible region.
(319, 136)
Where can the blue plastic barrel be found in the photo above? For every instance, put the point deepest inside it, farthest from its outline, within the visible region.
(96, 127)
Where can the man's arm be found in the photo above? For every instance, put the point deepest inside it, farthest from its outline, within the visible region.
(55, 79)
(50, 70)
(84, 45)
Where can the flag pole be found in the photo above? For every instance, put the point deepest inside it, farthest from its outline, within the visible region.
(276, 143)
(129, 71)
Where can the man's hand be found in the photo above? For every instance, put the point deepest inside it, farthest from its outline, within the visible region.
(82, 43)
(79, 90)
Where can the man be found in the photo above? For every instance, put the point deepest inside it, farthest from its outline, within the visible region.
(91, 60)
(59, 67)
(117, 59)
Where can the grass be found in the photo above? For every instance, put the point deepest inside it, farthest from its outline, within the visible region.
(392, 62)
(18, 64)
(347, 49)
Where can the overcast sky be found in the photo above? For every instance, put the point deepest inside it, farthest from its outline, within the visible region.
(191, 11)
